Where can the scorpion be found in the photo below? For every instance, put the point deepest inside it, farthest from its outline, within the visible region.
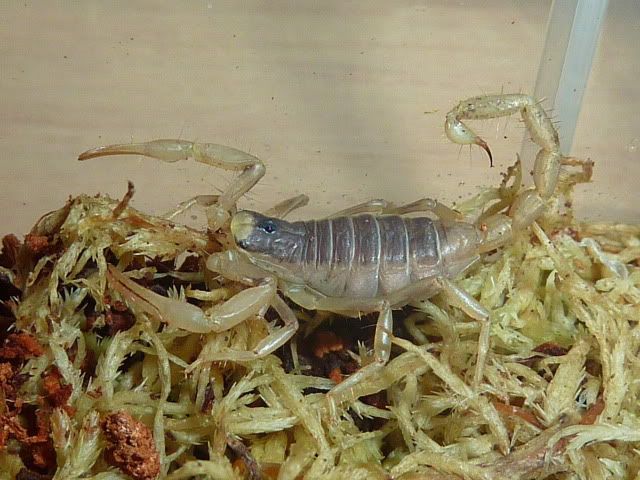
(371, 258)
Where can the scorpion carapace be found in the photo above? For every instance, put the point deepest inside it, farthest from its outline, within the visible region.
(370, 258)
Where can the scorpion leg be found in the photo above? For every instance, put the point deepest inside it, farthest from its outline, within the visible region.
(377, 206)
(381, 355)
(284, 208)
(459, 298)
(382, 207)
(209, 153)
(343, 391)
(427, 205)
(421, 289)
(231, 266)
(312, 300)
(455, 297)
(280, 210)
(202, 200)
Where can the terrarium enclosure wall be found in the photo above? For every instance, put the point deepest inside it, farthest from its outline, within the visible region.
(344, 101)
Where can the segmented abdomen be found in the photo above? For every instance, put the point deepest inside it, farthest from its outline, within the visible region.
(369, 256)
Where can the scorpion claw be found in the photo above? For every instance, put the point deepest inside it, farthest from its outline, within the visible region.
(165, 309)
(166, 150)
(110, 150)
(223, 316)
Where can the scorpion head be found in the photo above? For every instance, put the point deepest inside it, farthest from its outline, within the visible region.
(272, 238)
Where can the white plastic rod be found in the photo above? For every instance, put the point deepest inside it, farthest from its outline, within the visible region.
(572, 37)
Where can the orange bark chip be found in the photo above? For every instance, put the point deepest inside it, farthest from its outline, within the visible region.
(130, 446)
(36, 243)
(55, 391)
(325, 342)
(20, 346)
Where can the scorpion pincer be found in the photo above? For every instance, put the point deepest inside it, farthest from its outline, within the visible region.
(370, 258)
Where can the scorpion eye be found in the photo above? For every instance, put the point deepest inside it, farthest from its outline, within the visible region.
(268, 226)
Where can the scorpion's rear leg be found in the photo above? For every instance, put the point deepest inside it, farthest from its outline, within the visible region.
(381, 355)
(421, 289)
(343, 391)
(209, 153)
(457, 297)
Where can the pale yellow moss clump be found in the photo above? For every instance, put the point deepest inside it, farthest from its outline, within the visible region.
(558, 398)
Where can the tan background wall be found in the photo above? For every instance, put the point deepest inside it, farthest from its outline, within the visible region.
(344, 101)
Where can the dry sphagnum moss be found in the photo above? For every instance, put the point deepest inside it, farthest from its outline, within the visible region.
(558, 398)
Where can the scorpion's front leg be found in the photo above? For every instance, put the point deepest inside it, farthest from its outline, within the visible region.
(284, 208)
(210, 153)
